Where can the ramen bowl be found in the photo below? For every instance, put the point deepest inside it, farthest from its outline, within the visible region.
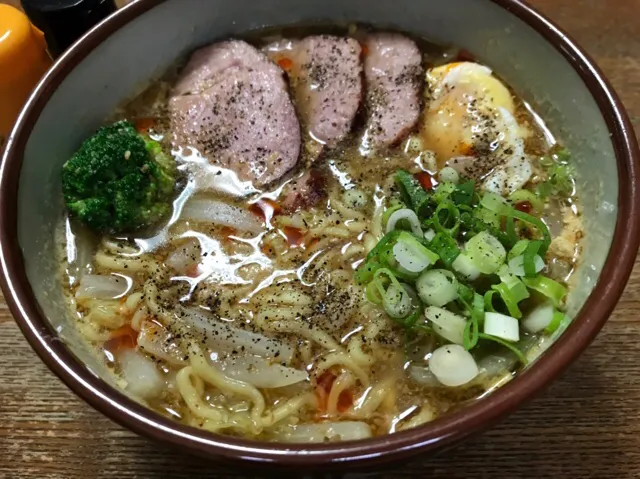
(142, 40)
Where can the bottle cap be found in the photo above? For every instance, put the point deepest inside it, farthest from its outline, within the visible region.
(23, 61)
(64, 21)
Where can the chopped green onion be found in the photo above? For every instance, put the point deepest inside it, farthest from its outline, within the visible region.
(449, 222)
(446, 324)
(488, 300)
(538, 224)
(557, 320)
(545, 189)
(386, 239)
(487, 216)
(395, 299)
(561, 156)
(478, 306)
(464, 194)
(511, 291)
(495, 203)
(510, 228)
(393, 207)
(429, 235)
(474, 225)
(517, 287)
(465, 267)
(502, 326)
(396, 302)
(465, 294)
(547, 287)
(385, 255)
(412, 192)
(406, 216)
(560, 175)
(365, 273)
(521, 357)
(486, 252)
(411, 255)
(449, 175)
(539, 318)
(437, 287)
(516, 265)
(509, 299)
(445, 247)
(518, 249)
(472, 328)
(372, 294)
(521, 196)
(412, 293)
(529, 259)
(412, 320)
(443, 191)
(546, 161)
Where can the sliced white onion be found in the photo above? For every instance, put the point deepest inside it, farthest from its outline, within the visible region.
(408, 215)
(327, 431)
(155, 340)
(411, 257)
(221, 213)
(142, 377)
(223, 336)
(184, 256)
(429, 235)
(98, 286)
(447, 324)
(465, 267)
(453, 365)
(502, 326)
(260, 372)
(539, 318)
(437, 287)
(516, 265)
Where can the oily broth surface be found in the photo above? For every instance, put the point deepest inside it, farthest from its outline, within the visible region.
(293, 282)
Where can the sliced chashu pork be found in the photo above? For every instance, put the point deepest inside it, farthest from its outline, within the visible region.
(325, 74)
(231, 103)
(394, 75)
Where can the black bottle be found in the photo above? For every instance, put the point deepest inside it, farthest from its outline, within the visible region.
(64, 21)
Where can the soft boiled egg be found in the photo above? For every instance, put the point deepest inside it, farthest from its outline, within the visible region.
(469, 124)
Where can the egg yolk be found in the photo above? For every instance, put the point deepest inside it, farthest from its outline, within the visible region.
(462, 111)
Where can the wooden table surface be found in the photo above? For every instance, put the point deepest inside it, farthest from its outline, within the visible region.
(586, 425)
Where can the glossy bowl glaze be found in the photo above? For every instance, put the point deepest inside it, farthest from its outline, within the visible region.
(120, 55)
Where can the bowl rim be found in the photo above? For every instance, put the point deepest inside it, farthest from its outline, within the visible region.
(437, 434)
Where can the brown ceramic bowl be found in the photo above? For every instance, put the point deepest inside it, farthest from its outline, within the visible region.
(140, 41)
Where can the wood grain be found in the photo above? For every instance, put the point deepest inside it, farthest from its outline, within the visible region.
(587, 425)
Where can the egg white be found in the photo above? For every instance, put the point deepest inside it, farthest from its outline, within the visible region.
(470, 115)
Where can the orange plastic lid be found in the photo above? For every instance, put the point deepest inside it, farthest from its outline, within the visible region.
(23, 61)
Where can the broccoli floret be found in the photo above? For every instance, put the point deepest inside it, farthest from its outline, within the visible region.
(119, 180)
